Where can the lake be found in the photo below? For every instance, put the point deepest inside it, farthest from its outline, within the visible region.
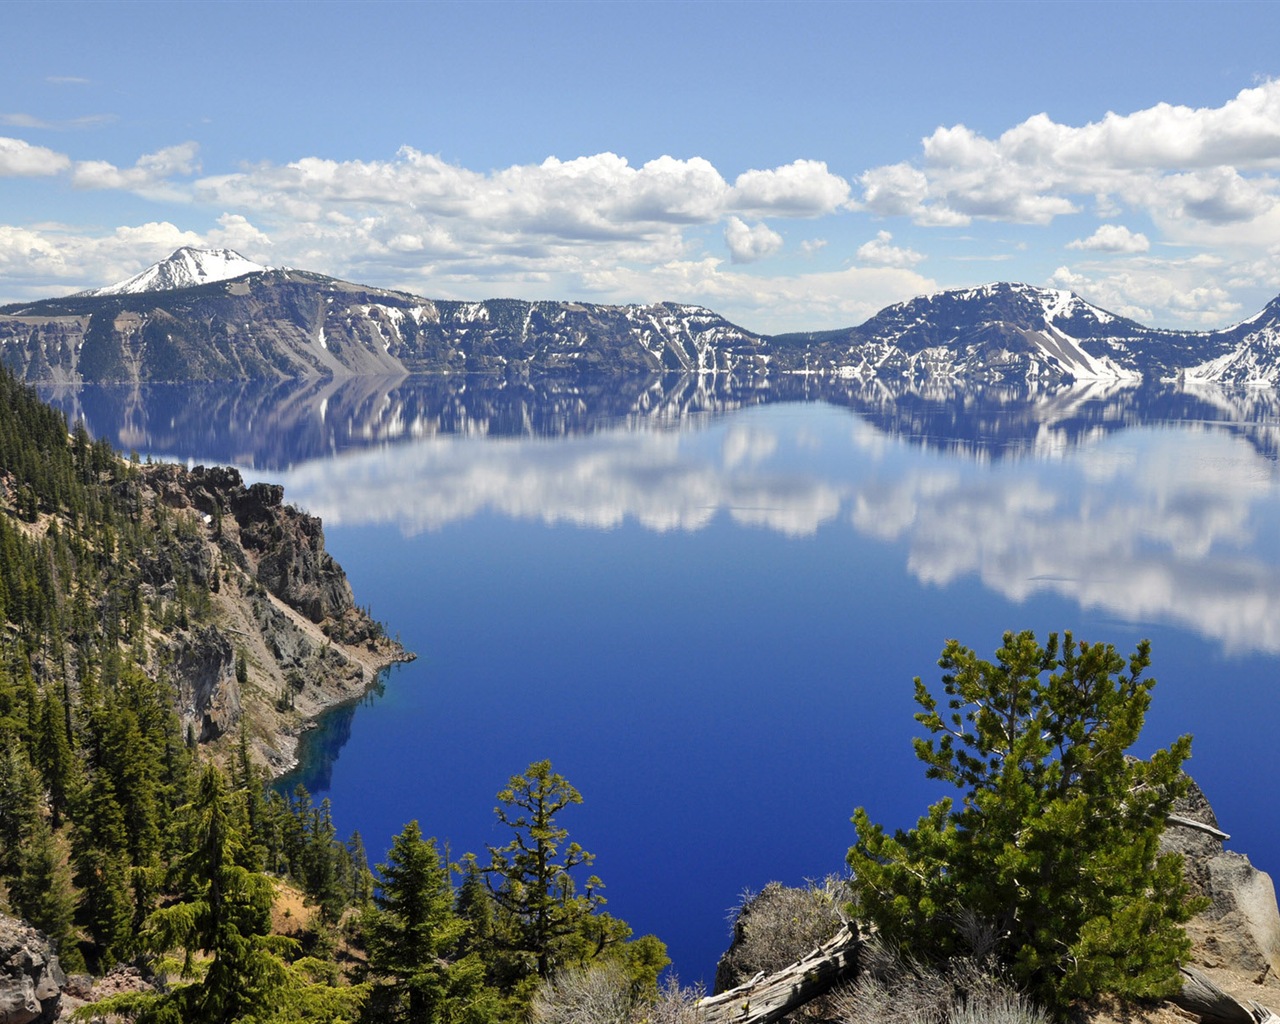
(705, 601)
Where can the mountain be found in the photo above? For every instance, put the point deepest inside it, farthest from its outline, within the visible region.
(213, 315)
(1005, 332)
(184, 268)
(286, 323)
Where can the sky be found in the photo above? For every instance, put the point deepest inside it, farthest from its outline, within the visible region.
(793, 166)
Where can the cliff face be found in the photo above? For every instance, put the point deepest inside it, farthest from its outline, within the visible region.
(274, 324)
(281, 638)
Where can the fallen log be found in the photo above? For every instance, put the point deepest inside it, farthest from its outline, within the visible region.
(765, 999)
(1202, 997)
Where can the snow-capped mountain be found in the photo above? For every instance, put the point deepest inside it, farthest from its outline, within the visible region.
(211, 314)
(1248, 353)
(1001, 331)
(187, 267)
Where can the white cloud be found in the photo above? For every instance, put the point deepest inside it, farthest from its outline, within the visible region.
(748, 244)
(597, 197)
(809, 301)
(149, 176)
(804, 188)
(1113, 238)
(19, 159)
(1188, 292)
(880, 252)
(34, 259)
(1209, 165)
(31, 121)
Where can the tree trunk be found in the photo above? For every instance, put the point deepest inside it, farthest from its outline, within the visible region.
(763, 1000)
(1201, 996)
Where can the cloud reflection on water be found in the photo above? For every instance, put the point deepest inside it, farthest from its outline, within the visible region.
(1168, 524)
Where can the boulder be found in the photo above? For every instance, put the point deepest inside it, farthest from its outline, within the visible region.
(31, 979)
(1240, 930)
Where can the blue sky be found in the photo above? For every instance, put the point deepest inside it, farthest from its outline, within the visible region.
(793, 166)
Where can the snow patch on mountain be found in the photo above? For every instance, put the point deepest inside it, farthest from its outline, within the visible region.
(187, 267)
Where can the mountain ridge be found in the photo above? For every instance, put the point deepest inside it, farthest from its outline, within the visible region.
(181, 319)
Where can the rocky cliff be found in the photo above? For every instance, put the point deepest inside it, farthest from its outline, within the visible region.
(281, 638)
(183, 320)
(287, 323)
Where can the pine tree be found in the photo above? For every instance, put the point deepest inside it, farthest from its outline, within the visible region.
(1055, 842)
(224, 912)
(43, 894)
(99, 853)
(531, 877)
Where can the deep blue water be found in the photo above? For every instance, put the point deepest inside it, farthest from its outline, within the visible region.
(709, 617)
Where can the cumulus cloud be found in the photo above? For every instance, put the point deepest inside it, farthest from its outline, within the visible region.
(748, 244)
(19, 159)
(149, 176)
(1112, 238)
(804, 188)
(881, 252)
(811, 301)
(32, 259)
(1191, 291)
(600, 196)
(1211, 165)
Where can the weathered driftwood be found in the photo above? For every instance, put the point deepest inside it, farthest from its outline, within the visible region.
(1199, 826)
(1201, 996)
(763, 1000)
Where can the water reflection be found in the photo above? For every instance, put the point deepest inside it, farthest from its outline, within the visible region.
(1151, 504)
(273, 425)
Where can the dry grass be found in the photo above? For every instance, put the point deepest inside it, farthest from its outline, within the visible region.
(601, 994)
(965, 990)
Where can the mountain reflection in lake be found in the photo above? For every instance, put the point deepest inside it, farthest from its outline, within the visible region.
(706, 603)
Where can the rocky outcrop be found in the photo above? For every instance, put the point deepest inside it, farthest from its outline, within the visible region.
(31, 979)
(267, 633)
(1239, 933)
(274, 324)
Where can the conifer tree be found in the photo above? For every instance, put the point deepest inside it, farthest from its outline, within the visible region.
(413, 937)
(1055, 842)
(531, 877)
(43, 895)
(224, 912)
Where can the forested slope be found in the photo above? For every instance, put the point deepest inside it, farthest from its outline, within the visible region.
(164, 635)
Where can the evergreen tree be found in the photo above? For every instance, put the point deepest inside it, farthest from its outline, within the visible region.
(225, 913)
(413, 935)
(19, 806)
(531, 876)
(99, 852)
(43, 895)
(1055, 842)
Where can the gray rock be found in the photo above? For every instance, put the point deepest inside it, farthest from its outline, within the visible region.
(1241, 927)
(31, 978)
